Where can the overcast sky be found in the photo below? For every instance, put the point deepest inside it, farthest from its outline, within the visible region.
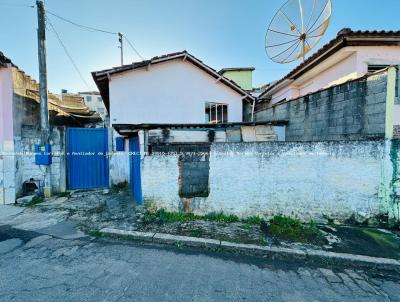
(222, 33)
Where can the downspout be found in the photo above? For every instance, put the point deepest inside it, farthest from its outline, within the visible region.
(252, 110)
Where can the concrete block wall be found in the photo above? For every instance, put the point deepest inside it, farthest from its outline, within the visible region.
(306, 180)
(27, 168)
(351, 111)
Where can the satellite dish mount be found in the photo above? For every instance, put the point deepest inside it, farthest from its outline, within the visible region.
(296, 29)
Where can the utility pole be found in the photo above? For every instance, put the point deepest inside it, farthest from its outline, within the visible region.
(121, 42)
(44, 112)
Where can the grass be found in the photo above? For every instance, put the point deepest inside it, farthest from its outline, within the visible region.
(254, 220)
(292, 229)
(35, 201)
(221, 217)
(161, 217)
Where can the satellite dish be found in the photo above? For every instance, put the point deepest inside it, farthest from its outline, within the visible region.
(297, 28)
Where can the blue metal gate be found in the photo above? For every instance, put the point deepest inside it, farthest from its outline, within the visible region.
(135, 177)
(87, 163)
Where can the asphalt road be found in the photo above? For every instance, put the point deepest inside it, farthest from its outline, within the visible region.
(36, 267)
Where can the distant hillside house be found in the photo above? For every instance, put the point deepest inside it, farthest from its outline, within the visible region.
(175, 88)
(352, 54)
(94, 102)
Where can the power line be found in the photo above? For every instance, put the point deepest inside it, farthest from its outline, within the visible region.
(134, 49)
(82, 26)
(93, 29)
(67, 53)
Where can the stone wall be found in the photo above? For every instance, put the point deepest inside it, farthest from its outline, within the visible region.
(352, 111)
(306, 180)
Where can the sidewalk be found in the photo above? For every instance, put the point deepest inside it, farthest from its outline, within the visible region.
(103, 213)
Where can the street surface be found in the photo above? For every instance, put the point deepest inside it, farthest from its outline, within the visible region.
(37, 267)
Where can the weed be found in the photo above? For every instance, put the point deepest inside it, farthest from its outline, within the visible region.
(253, 220)
(35, 201)
(221, 217)
(161, 217)
(291, 229)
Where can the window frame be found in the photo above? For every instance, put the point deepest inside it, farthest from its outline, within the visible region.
(224, 112)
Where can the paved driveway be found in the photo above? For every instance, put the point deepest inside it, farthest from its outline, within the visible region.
(37, 267)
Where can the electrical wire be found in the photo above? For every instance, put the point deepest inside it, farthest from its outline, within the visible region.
(80, 25)
(93, 29)
(67, 52)
(134, 49)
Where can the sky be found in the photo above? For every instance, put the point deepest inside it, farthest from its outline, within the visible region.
(221, 33)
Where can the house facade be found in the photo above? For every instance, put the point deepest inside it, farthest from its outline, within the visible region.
(172, 89)
(351, 55)
(94, 102)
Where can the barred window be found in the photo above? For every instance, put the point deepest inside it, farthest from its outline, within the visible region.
(216, 113)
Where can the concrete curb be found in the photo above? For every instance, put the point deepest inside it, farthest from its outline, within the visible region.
(256, 250)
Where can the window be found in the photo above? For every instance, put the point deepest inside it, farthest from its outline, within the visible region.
(99, 99)
(373, 68)
(88, 98)
(216, 113)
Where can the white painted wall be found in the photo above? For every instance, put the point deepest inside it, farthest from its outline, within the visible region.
(7, 159)
(304, 180)
(349, 63)
(170, 92)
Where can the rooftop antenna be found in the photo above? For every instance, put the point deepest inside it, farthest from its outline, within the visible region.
(296, 29)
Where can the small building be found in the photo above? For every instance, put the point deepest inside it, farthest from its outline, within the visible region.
(192, 149)
(95, 103)
(20, 131)
(308, 97)
(243, 76)
(176, 88)
(350, 55)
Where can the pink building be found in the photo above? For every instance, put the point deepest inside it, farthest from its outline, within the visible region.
(351, 55)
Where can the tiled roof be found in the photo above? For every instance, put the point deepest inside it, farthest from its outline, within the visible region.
(101, 77)
(29, 89)
(345, 37)
(236, 69)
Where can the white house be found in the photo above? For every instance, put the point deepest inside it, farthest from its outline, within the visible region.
(94, 102)
(176, 88)
(351, 55)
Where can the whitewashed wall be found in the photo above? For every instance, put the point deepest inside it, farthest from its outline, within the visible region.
(7, 159)
(305, 180)
(170, 92)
